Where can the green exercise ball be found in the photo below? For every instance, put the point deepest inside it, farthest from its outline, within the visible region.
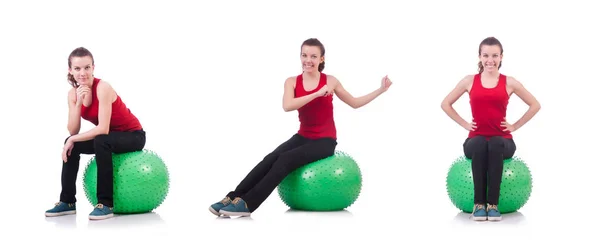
(140, 182)
(515, 188)
(329, 184)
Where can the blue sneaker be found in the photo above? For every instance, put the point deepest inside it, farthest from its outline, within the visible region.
(236, 208)
(493, 213)
(216, 207)
(60, 209)
(479, 213)
(101, 212)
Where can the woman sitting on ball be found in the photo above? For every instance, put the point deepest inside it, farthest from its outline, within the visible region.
(117, 130)
(311, 94)
(490, 140)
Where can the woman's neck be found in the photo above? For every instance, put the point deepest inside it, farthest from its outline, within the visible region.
(311, 75)
(491, 74)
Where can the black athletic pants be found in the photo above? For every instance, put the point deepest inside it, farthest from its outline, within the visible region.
(487, 158)
(102, 146)
(287, 157)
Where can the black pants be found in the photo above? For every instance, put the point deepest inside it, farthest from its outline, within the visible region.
(102, 146)
(287, 157)
(487, 158)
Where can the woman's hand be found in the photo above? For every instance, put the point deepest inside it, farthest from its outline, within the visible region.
(470, 126)
(508, 127)
(325, 91)
(82, 92)
(67, 149)
(385, 83)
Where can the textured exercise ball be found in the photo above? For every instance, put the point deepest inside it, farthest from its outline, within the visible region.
(329, 184)
(141, 181)
(515, 188)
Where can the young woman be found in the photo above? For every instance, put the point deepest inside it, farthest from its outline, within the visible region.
(490, 139)
(116, 130)
(311, 93)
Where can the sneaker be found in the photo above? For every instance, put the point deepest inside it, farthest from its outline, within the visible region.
(216, 207)
(60, 209)
(236, 208)
(493, 213)
(479, 213)
(101, 212)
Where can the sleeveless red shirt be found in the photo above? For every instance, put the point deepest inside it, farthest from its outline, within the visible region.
(316, 117)
(488, 107)
(121, 118)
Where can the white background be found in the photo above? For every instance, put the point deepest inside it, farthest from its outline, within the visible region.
(206, 80)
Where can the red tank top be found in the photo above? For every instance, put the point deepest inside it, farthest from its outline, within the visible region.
(488, 107)
(316, 117)
(121, 118)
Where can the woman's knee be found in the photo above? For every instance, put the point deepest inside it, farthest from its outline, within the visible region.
(283, 162)
(101, 140)
(273, 156)
(473, 145)
(501, 145)
(287, 162)
(496, 144)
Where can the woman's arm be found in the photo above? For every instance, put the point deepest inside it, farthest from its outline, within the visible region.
(106, 96)
(290, 103)
(528, 98)
(74, 122)
(453, 96)
(357, 102)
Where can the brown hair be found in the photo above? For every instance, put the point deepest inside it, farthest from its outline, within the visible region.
(78, 52)
(490, 41)
(317, 43)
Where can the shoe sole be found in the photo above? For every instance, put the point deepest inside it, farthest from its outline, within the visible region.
(227, 213)
(479, 218)
(213, 211)
(495, 218)
(101, 217)
(60, 213)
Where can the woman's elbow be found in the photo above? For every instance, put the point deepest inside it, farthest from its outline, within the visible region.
(72, 129)
(73, 132)
(538, 106)
(103, 130)
(446, 104)
(287, 107)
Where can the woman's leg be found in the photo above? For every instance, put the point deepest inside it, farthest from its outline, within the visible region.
(70, 169)
(285, 164)
(263, 167)
(104, 146)
(476, 149)
(66, 204)
(499, 149)
(257, 173)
